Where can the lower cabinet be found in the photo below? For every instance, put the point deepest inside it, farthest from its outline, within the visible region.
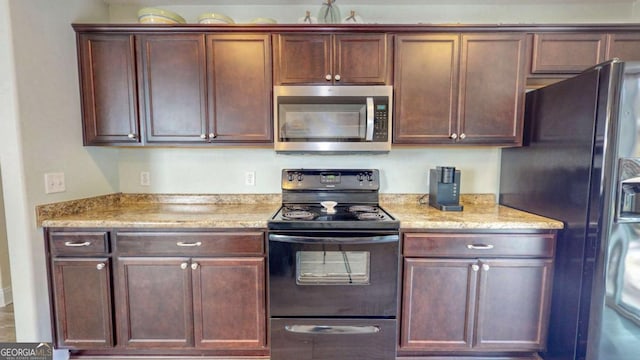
(209, 303)
(80, 296)
(475, 294)
(167, 292)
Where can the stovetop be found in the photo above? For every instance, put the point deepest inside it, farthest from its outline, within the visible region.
(346, 216)
(354, 190)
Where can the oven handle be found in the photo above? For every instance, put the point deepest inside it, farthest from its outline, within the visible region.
(332, 330)
(334, 240)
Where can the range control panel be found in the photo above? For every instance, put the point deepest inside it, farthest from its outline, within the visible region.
(343, 179)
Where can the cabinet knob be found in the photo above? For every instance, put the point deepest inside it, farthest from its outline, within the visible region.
(184, 265)
(475, 267)
(453, 136)
(462, 136)
(485, 267)
(328, 77)
(194, 266)
(131, 136)
(337, 77)
(100, 266)
(212, 136)
(203, 136)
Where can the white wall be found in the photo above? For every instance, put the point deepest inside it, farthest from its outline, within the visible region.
(223, 171)
(5, 273)
(40, 131)
(404, 12)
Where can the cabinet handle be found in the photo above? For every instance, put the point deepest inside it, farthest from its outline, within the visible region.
(186, 244)
(337, 77)
(479, 246)
(194, 266)
(131, 136)
(100, 266)
(328, 77)
(76, 244)
(212, 136)
(463, 136)
(184, 265)
(203, 136)
(475, 267)
(453, 136)
(485, 267)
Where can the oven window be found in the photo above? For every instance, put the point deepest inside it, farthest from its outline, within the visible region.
(332, 268)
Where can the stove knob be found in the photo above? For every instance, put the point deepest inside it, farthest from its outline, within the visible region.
(290, 177)
(370, 176)
(300, 177)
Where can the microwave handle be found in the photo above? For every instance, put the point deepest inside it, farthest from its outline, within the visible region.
(370, 114)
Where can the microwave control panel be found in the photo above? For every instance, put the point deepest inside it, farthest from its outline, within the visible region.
(380, 123)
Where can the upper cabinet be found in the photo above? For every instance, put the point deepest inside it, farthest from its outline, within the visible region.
(176, 88)
(569, 53)
(108, 89)
(172, 78)
(325, 59)
(566, 53)
(240, 88)
(459, 88)
(624, 46)
(206, 89)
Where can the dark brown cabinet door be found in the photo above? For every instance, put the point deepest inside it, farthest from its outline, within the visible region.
(624, 46)
(229, 303)
(155, 303)
(566, 53)
(240, 88)
(438, 304)
(492, 83)
(361, 59)
(325, 59)
(172, 74)
(426, 88)
(513, 304)
(108, 89)
(82, 302)
(302, 59)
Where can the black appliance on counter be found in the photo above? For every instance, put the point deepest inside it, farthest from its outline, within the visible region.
(333, 268)
(444, 188)
(580, 163)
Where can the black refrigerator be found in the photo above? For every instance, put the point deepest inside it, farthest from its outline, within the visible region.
(580, 163)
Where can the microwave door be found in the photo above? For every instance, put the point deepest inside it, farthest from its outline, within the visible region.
(370, 114)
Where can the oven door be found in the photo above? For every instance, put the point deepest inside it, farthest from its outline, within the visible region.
(333, 274)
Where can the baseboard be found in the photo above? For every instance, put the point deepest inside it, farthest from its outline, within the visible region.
(6, 296)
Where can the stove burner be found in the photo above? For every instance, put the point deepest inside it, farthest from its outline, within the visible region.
(295, 207)
(363, 209)
(370, 216)
(298, 215)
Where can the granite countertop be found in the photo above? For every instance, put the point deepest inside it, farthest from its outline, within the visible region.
(253, 211)
(480, 212)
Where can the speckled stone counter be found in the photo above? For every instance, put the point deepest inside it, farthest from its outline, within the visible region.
(253, 211)
(162, 211)
(480, 212)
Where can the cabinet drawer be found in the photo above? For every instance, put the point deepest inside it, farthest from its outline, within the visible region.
(189, 244)
(79, 243)
(478, 245)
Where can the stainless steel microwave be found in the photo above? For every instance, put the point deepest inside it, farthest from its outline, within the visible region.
(332, 119)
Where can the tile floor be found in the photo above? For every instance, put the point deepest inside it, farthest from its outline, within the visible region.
(7, 325)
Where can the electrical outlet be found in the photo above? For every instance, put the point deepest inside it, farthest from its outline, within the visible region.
(250, 178)
(145, 178)
(54, 183)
